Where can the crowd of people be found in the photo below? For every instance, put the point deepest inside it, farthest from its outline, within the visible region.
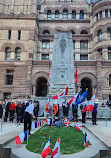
(13, 108)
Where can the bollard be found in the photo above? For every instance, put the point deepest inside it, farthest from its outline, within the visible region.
(2, 122)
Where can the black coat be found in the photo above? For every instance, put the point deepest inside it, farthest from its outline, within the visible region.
(1, 110)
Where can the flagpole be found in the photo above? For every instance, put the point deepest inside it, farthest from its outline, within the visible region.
(76, 77)
(49, 87)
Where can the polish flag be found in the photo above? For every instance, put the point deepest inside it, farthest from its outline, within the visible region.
(86, 140)
(46, 151)
(73, 100)
(90, 106)
(21, 137)
(62, 94)
(56, 150)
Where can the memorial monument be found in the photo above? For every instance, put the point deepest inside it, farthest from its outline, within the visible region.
(62, 70)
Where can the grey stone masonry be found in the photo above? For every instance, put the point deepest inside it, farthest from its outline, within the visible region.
(62, 71)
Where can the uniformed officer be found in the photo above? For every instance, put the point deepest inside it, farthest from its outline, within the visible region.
(28, 117)
(65, 107)
(94, 113)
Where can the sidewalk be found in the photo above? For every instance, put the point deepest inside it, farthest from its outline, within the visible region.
(9, 132)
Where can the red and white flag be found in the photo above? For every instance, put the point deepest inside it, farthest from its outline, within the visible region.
(90, 106)
(47, 107)
(56, 150)
(46, 151)
(73, 100)
(62, 94)
(78, 126)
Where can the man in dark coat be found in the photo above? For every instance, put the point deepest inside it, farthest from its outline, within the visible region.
(65, 107)
(7, 109)
(36, 108)
(94, 114)
(1, 111)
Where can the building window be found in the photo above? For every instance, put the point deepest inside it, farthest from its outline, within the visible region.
(81, 14)
(73, 14)
(7, 95)
(19, 35)
(46, 32)
(7, 54)
(106, 13)
(46, 44)
(49, 15)
(96, 17)
(17, 54)
(45, 56)
(83, 57)
(109, 33)
(72, 31)
(9, 77)
(99, 34)
(101, 15)
(109, 56)
(65, 14)
(57, 15)
(100, 52)
(84, 32)
(9, 34)
(110, 80)
(84, 45)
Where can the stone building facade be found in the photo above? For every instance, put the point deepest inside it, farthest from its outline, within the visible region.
(27, 30)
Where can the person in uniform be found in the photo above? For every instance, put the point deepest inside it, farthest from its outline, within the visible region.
(83, 114)
(94, 114)
(65, 107)
(36, 108)
(75, 111)
(28, 117)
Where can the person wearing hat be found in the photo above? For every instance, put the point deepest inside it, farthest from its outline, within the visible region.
(36, 108)
(28, 117)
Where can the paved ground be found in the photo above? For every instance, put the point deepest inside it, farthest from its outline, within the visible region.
(100, 131)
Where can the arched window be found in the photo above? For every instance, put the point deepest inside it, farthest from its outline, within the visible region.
(81, 14)
(7, 54)
(109, 33)
(84, 32)
(65, 14)
(46, 32)
(110, 80)
(49, 15)
(73, 14)
(99, 34)
(72, 31)
(57, 15)
(17, 54)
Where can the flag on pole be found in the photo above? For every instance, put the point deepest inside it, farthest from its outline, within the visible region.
(76, 77)
(55, 107)
(73, 100)
(81, 98)
(49, 73)
(47, 107)
(46, 151)
(90, 106)
(86, 140)
(62, 94)
(34, 125)
(58, 123)
(21, 137)
(56, 150)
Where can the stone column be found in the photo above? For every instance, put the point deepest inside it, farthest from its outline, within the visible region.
(22, 6)
(34, 90)
(70, 16)
(12, 55)
(34, 7)
(12, 10)
(105, 54)
(2, 7)
(60, 16)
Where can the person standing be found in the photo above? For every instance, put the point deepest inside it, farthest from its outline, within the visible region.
(65, 107)
(94, 114)
(28, 117)
(12, 110)
(7, 109)
(19, 111)
(1, 111)
(36, 108)
(83, 114)
(75, 112)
